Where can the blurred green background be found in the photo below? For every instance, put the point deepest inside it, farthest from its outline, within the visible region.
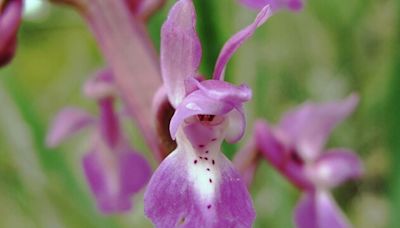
(325, 52)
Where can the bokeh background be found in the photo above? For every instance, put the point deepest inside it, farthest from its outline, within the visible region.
(325, 52)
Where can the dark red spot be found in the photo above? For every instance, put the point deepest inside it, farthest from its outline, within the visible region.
(200, 157)
(208, 169)
(195, 161)
(214, 139)
(210, 180)
(201, 146)
(206, 158)
(213, 162)
(296, 158)
(206, 151)
(209, 206)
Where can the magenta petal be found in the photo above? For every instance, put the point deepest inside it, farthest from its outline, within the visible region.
(336, 166)
(237, 40)
(308, 126)
(224, 91)
(100, 85)
(114, 180)
(180, 49)
(10, 18)
(294, 5)
(319, 210)
(194, 104)
(278, 154)
(174, 199)
(67, 122)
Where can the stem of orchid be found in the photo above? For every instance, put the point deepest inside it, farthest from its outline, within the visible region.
(129, 52)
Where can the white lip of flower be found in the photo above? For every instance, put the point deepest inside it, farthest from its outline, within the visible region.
(202, 167)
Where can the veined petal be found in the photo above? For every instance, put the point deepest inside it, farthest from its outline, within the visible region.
(335, 167)
(114, 178)
(67, 122)
(319, 210)
(280, 156)
(309, 126)
(237, 40)
(180, 49)
(294, 5)
(198, 187)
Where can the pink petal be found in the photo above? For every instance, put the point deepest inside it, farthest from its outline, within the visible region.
(109, 122)
(100, 85)
(179, 196)
(67, 122)
(309, 126)
(294, 5)
(114, 180)
(318, 210)
(335, 167)
(237, 40)
(195, 104)
(180, 49)
(280, 156)
(215, 98)
(10, 18)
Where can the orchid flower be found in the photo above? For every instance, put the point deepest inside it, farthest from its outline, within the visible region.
(276, 5)
(196, 185)
(295, 148)
(114, 171)
(10, 18)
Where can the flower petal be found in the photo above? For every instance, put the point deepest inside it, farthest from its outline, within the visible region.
(224, 91)
(279, 155)
(10, 18)
(180, 49)
(100, 85)
(180, 195)
(236, 41)
(309, 126)
(335, 167)
(294, 5)
(67, 122)
(113, 180)
(195, 104)
(318, 210)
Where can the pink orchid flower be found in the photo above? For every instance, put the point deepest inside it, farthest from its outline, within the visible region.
(295, 148)
(113, 170)
(196, 185)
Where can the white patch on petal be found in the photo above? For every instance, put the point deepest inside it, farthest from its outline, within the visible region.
(193, 106)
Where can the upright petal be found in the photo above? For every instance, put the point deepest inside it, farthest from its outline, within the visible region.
(67, 122)
(114, 179)
(10, 18)
(335, 167)
(180, 49)
(309, 126)
(319, 210)
(294, 5)
(237, 40)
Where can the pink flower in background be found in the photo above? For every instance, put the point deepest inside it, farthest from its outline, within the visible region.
(295, 148)
(196, 185)
(114, 171)
(10, 18)
(293, 5)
